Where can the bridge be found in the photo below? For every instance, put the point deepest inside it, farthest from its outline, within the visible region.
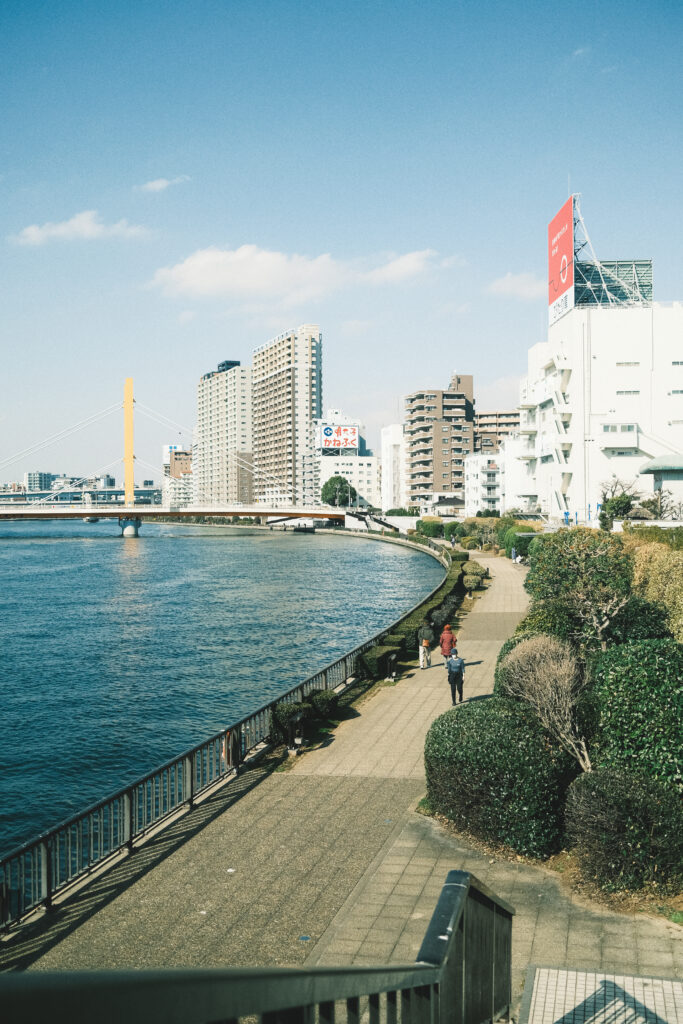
(131, 514)
(131, 517)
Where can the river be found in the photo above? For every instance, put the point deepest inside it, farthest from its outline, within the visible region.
(118, 654)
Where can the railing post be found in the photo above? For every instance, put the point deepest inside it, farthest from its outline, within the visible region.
(46, 872)
(188, 773)
(128, 830)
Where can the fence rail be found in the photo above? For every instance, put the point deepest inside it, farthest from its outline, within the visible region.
(32, 875)
(462, 976)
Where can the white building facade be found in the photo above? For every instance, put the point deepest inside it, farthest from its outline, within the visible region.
(221, 449)
(286, 398)
(482, 484)
(602, 396)
(393, 467)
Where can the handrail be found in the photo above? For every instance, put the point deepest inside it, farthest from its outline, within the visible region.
(34, 873)
(462, 976)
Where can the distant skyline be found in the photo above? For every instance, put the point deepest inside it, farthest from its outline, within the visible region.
(184, 181)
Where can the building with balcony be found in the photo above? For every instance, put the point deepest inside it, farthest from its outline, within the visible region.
(221, 451)
(439, 434)
(286, 399)
(482, 484)
(602, 395)
(491, 428)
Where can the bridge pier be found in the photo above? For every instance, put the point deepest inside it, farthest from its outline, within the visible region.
(130, 525)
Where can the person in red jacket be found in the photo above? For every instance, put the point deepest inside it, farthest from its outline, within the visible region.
(448, 641)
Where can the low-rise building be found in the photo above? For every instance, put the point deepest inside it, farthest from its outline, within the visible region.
(482, 484)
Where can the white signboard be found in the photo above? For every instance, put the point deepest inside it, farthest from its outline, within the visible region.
(332, 437)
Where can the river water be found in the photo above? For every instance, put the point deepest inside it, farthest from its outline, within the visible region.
(118, 654)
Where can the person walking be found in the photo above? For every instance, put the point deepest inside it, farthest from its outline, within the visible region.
(456, 675)
(425, 639)
(447, 640)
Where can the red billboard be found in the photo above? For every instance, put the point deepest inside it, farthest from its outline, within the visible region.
(561, 262)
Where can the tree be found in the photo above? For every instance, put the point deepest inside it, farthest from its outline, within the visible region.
(589, 574)
(338, 491)
(661, 505)
(542, 671)
(658, 577)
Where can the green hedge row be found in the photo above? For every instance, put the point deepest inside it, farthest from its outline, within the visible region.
(493, 770)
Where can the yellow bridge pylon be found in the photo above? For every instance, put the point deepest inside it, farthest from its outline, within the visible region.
(128, 452)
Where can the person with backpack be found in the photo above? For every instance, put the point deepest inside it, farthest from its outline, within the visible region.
(456, 674)
(425, 639)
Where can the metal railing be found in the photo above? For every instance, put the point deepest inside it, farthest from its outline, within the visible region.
(33, 874)
(462, 976)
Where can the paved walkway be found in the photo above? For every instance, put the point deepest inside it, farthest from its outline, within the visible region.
(328, 863)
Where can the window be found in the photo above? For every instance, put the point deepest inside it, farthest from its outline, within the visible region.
(628, 392)
(627, 427)
(609, 428)
(677, 392)
(677, 362)
(628, 364)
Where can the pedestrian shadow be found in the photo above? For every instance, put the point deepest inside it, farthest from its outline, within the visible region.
(610, 1002)
(34, 939)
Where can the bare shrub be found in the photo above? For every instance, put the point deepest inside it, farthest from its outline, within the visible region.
(543, 672)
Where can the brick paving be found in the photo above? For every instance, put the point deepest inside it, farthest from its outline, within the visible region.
(329, 863)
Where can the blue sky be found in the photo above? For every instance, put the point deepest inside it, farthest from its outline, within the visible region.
(183, 181)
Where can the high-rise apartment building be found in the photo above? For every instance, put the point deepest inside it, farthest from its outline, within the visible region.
(439, 433)
(286, 398)
(221, 452)
(393, 467)
(491, 428)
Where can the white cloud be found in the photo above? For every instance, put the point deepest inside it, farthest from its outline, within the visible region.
(581, 51)
(160, 184)
(401, 268)
(82, 226)
(251, 273)
(523, 286)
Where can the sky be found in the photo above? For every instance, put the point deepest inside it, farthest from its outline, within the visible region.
(183, 181)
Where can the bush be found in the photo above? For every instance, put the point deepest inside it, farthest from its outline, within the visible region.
(637, 689)
(551, 617)
(283, 713)
(470, 543)
(492, 770)
(395, 640)
(324, 703)
(429, 527)
(508, 646)
(451, 530)
(475, 569)
(375, 662)
(639, 620)
(471, 582)
(627, 830)
(460, 556)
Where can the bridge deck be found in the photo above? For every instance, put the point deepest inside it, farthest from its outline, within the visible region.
(28, 511)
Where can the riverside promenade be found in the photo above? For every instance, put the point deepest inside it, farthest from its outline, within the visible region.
(328, 862)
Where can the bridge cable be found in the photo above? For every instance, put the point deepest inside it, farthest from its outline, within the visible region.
(59, 435)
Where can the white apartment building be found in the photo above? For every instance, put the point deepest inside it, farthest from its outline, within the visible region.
(286, 398)
(603, 396)
(393, 467)
(361, 471)
(482, 484)
(221, 450)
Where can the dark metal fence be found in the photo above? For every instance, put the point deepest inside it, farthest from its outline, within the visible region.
(462, 976)
(36, 872)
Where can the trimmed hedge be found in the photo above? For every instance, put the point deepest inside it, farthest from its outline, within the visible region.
(475, 569)
(492, 770)
(637, 690)
(324, 703)
(375, 662)
(627, 830)
(282, 715)
(429, 527)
